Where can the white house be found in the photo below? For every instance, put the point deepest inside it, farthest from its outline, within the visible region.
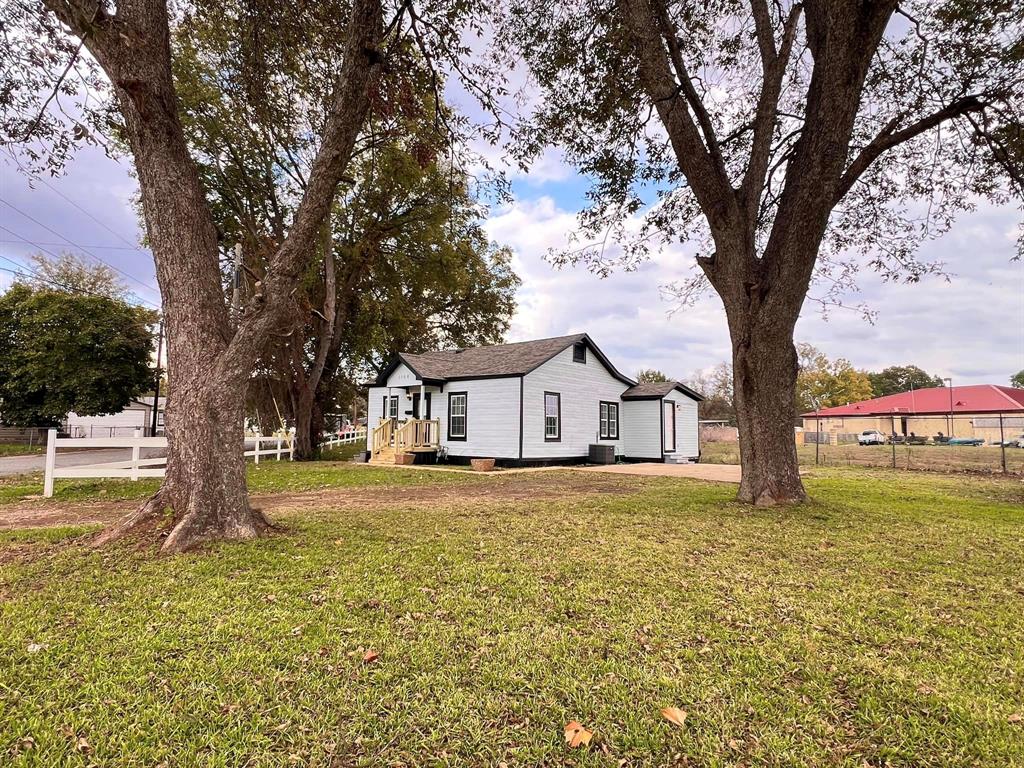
(533, 402)
(138, 414)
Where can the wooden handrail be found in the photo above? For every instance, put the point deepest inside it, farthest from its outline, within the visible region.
(383, 434)
(418, 433)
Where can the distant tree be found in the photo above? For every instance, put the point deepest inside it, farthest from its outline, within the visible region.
(650, 375)
(62, 351)
(824, 383)
(70, 273)
(901, 378)
(715, 384)
(1017, 380)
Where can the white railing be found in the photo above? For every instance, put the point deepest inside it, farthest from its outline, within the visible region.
(348, 437)
(136, 466)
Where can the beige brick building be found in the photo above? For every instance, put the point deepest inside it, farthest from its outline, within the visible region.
(970, 411)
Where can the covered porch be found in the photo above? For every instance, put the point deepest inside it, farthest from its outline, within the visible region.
(407, 426)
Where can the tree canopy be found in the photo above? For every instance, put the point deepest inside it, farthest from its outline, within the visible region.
(62, 351)
(824, 383)
(1017, 380)
(901, 378)
(785, 143)
(650, 374)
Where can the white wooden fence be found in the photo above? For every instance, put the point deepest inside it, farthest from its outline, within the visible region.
(347, 437)
(136, 466)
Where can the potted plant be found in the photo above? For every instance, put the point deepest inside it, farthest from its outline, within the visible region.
(482, 465)
(405, 458)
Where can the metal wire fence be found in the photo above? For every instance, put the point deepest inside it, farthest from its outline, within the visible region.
(993, 444)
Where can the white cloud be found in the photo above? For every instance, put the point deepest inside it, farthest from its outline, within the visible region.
(971, 328)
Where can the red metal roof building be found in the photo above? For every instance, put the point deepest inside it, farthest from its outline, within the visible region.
(935, 401)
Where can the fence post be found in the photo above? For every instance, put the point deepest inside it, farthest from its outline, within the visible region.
(278, 457)
(1002, 443)
(51, 462)
(892, 439)
(136, 450)
(291, 449)
(257, 451)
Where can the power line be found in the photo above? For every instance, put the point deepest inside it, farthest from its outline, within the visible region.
(55, 256)
(74, 244)
(118, 235)
(98, 247)
(35, 273)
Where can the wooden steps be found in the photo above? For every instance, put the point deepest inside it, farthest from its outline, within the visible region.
(383, 456)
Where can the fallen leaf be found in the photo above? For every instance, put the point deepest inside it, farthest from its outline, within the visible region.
(674, 715)
(83, 746)
(25, 743)
(1016, 717)
(370, 656)
(577, 736)
(35, 647)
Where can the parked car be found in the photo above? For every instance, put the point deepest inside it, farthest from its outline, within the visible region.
(1015, 442)
(871, 437)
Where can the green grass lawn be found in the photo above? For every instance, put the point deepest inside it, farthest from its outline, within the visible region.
(266, 477)
(879, 625)
(937, 458)
(17, 449)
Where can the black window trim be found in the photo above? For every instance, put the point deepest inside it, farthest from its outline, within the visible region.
(558, 437)
(457, 438)
(607, 435)
(579, 346)
(393, 400)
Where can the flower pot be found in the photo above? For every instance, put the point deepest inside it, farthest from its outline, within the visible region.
(482, 465)
(405, 458)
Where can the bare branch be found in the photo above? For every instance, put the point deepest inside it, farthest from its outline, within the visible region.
(888, 138)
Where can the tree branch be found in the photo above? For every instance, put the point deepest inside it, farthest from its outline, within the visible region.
(706, 177)
(774, 70)
(889, 137)
(360, 71)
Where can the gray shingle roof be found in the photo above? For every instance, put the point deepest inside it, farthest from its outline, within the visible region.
(497, 360)
(658, 389)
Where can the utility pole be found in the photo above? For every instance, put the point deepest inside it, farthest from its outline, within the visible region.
(950, 405)
(156, 387)
(236, 291)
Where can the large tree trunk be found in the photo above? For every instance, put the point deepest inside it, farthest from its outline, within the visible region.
(204, 487)
(764, 378)
(208, 366)
(307, 444)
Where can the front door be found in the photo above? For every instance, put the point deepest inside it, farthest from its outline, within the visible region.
(670, 426)
(416, 412)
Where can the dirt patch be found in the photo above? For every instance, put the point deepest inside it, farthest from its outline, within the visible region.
(519, 487)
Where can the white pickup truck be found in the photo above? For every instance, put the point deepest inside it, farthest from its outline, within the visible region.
(871, 437)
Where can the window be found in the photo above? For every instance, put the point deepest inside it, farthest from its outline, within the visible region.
(552, 417)
(393, 410)
(457, 415)
(579, 352)
(609, 421)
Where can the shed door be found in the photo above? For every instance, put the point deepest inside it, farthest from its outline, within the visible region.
(670, 425)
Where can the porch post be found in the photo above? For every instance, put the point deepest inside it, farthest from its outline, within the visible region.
(423, 402)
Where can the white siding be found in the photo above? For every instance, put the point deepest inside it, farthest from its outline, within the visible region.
(641, 429)
(402, 377)
(582, 387)
(374, 411)
(492, 418)
(686, 424)
(109, 425)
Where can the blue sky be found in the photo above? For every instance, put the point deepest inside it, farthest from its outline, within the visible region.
(970, 328)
